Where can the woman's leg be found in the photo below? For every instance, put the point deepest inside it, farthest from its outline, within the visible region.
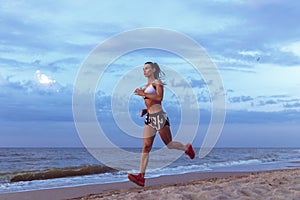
(166, 136)
(148, 138)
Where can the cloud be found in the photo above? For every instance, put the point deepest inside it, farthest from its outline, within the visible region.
(32, 101)
(43, 79)
(260, 117)
(257, 37)
(292, 105)
(293, 48)
(240, 99)
(250, 53)
(56, 37)
(267, 102)
(246, 34)
(200, 83)
(13, 63)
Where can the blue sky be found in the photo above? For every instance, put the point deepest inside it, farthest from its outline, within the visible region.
(255, 45)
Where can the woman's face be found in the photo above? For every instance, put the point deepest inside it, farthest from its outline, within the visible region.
(148, 70)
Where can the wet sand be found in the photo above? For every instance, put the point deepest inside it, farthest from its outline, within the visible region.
(279, 184)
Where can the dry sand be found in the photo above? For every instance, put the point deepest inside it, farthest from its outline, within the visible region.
(283, 185)
(275, 185)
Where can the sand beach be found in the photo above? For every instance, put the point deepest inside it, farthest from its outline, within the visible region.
(276, 184)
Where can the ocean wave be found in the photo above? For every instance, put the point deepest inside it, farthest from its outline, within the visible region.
(60, 173)
(296, 151)
(237, 162)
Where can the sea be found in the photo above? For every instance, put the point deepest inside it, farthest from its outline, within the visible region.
(26, 169)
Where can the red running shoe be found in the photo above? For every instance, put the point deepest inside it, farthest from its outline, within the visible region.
(190, 151)
(137, 179)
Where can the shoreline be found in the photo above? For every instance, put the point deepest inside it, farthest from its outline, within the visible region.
(171, 183)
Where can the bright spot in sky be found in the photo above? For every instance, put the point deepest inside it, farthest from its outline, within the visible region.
(43, 79)
(293, 48)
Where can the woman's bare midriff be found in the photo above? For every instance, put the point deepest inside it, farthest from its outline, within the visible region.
(153, 106)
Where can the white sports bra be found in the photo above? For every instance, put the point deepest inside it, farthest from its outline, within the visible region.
(150, 89)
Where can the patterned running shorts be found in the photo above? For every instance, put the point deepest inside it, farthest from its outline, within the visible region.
(157, 120)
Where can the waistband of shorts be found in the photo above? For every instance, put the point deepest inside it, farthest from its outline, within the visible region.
(157, 113)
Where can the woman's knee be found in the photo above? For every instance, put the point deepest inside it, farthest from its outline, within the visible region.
(146, 148)
(170, 145)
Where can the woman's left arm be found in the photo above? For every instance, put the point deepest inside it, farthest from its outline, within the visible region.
(159, 88)
(159, 91)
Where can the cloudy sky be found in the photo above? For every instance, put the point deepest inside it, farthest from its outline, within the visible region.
(254, 44)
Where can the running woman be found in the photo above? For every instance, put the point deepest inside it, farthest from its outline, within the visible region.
(156, 120)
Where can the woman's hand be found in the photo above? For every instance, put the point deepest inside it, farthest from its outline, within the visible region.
(139, 92)
(144, 111)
